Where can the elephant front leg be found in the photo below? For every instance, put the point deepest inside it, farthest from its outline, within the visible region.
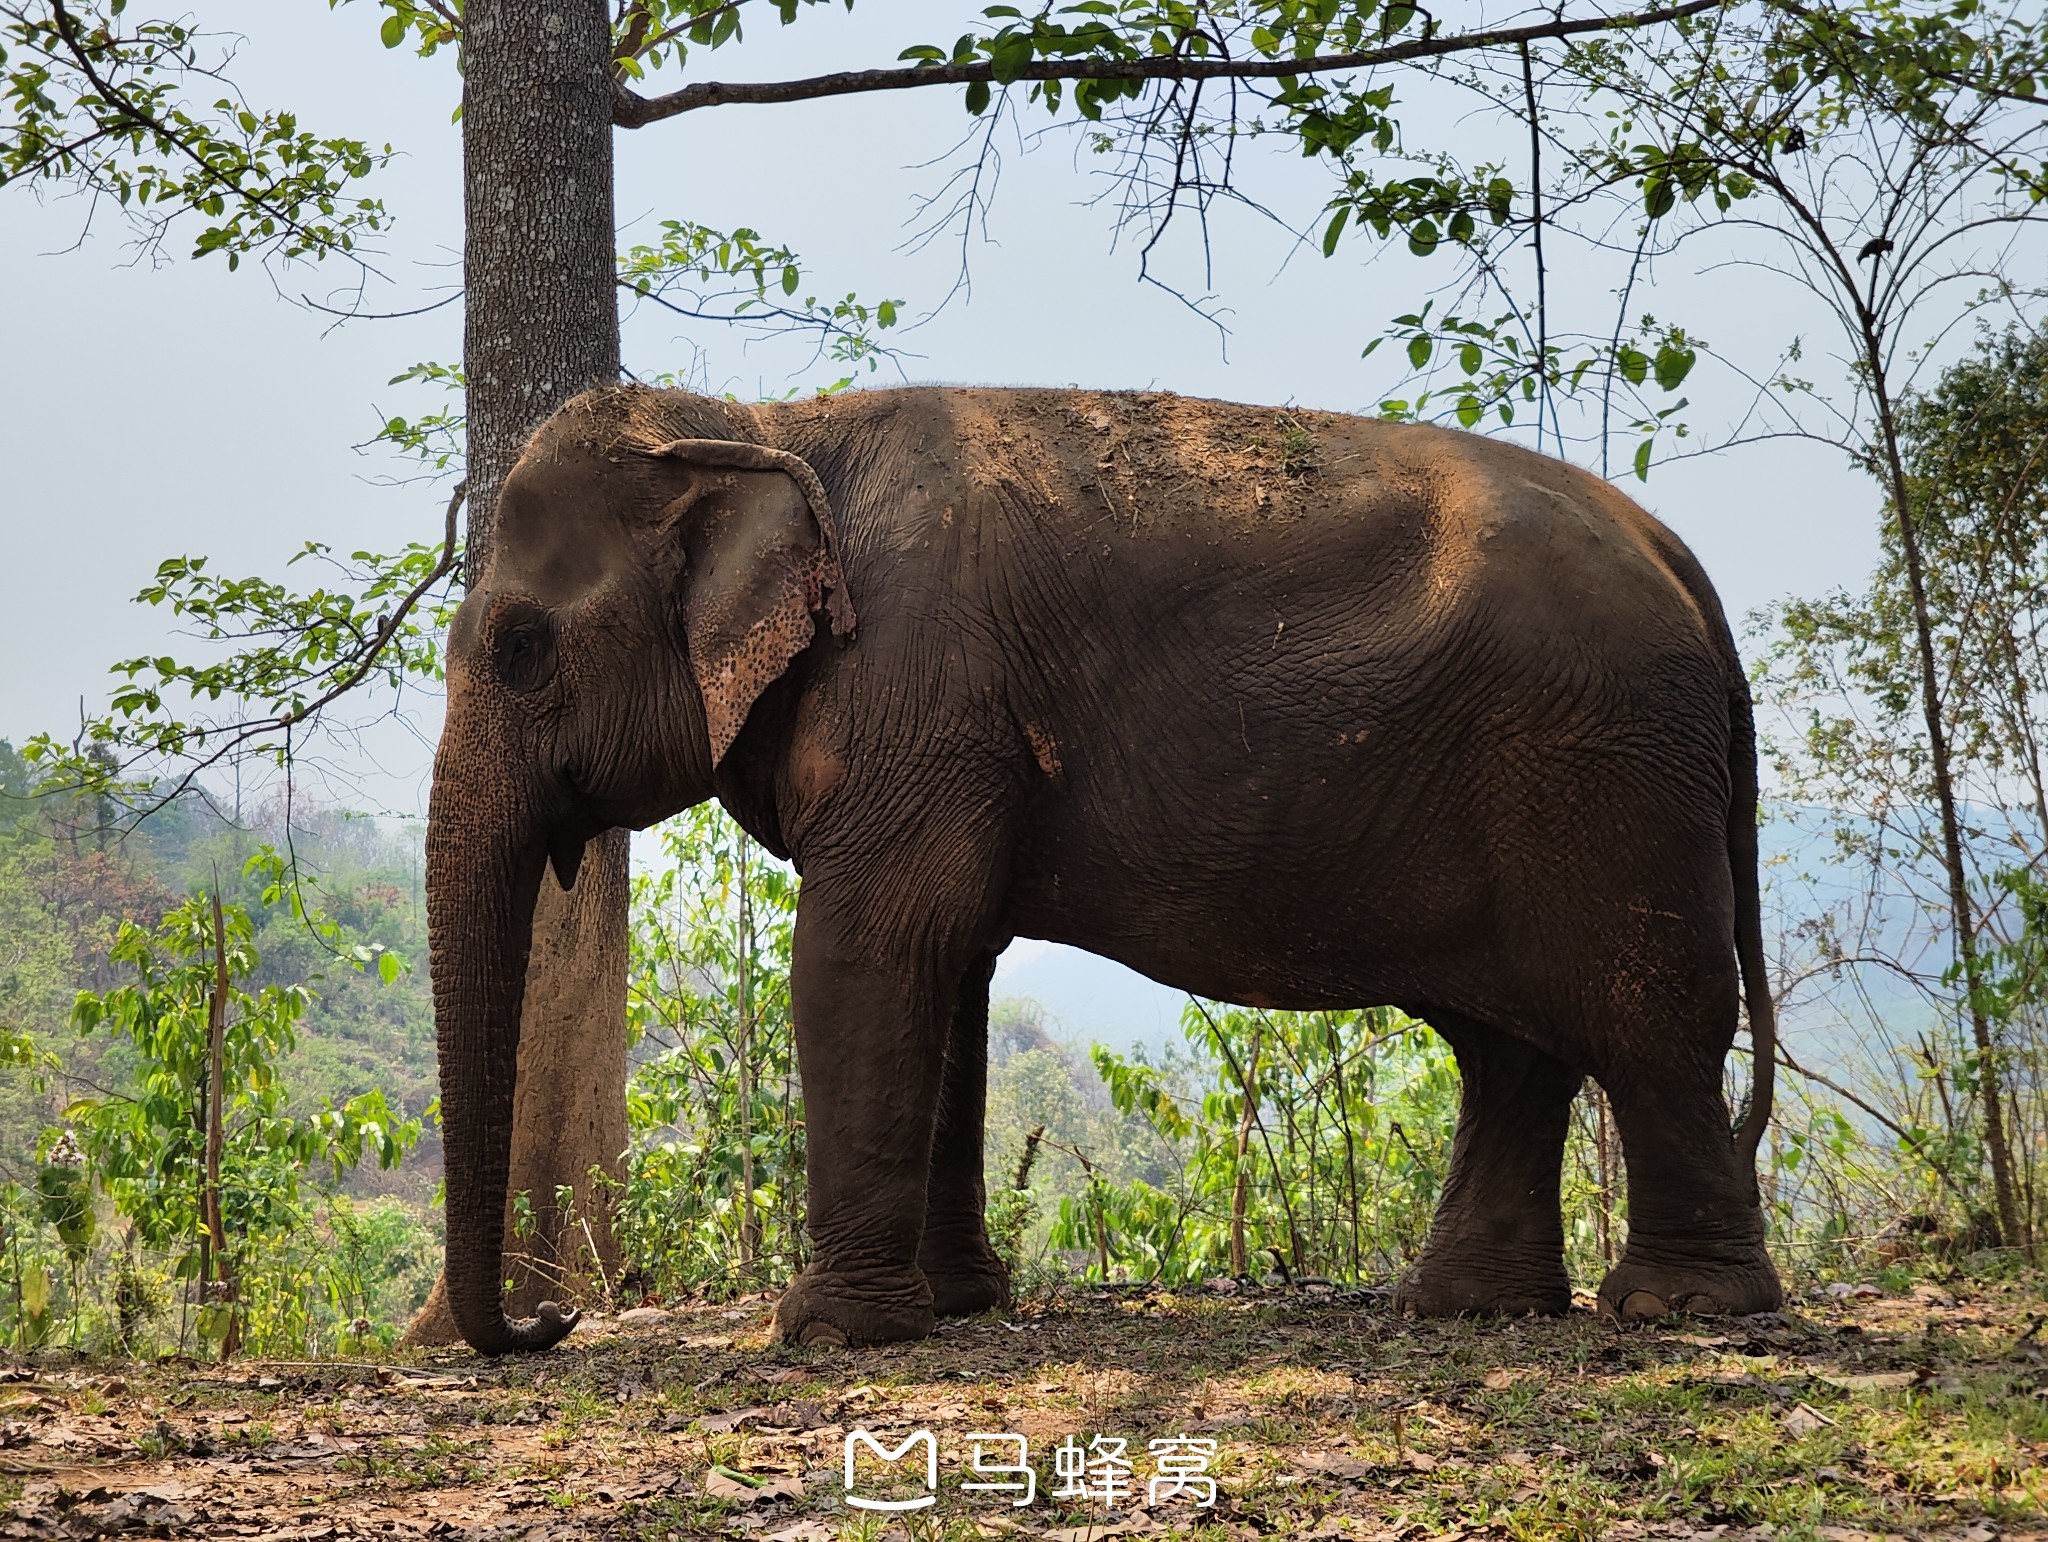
(1497, 1244)
(873, 994)
(966, 1275)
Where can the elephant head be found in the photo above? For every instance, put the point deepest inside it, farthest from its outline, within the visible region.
(653, 572)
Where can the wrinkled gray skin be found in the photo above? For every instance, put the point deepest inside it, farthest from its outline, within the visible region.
(1397, 715)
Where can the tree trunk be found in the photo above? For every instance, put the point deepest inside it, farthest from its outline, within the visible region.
(1990, 1082)
(541, 324)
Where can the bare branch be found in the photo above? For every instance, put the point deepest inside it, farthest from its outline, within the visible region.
(631, 110)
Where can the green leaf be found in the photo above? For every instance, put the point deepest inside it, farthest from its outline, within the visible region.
(1335, 229)
(393, 31)
(1673, 365)
(1643, 461)
(977, 97)
(1418, 351)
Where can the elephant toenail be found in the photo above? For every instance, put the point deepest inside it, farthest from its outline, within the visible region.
(1640, 1303)
(823, 1333)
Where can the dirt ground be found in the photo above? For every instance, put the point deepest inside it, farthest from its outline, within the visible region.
(1843, 1417)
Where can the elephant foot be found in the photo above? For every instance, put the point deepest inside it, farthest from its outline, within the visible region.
(967, 1287)
(825, 1306)
(1652, 1281)
(1498, 1283)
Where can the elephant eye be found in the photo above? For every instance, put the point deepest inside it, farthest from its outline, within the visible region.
(526, 655)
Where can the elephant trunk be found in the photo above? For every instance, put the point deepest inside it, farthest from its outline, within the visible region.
(485, 853)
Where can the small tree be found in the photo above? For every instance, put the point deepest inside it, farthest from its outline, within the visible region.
(1848, 669)
(205, 1156)
(714, 1185)
(1317, 1138)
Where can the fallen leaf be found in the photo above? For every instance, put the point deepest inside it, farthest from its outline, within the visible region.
(1876, 1381)
(724, 1483)
(726, 1423)
(1804, 1419)
(1333, 1463)
(1422, 1461)
(804, 1531)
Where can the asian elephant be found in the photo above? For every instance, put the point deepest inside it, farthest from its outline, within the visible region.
(1293, 709)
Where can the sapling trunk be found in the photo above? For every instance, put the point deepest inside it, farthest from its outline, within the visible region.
(1990, 1084)
(213, 1247)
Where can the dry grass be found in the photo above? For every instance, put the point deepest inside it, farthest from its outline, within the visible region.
(1924, 1416)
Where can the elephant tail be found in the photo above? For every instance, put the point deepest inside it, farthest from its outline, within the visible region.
(1749, 920)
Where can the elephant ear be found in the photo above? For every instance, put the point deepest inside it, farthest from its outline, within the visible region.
(763, 560)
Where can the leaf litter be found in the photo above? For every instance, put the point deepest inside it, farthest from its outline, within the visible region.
(1854, 1416)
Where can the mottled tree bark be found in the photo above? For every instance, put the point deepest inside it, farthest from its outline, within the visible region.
(541, 324)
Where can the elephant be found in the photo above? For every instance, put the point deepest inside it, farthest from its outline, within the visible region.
(1293, 709)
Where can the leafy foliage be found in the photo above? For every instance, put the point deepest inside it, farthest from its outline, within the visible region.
(111, 106)
(1125, 31)
(1321, 1139)
(148, 1145)
(714, 1189)
(1503, 374)
(728, 276)
(1843, 673)
(328, 1063)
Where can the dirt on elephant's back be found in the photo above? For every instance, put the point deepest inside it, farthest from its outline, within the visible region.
(1910, 1414)
(1151, 455)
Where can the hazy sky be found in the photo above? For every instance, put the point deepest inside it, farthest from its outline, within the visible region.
(152, 410)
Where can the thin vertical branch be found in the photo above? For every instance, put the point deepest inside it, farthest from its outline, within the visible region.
(1544, 406)
(750, 1237)
(215, 1242)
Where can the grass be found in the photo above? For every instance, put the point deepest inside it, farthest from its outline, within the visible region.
(1913, 1415)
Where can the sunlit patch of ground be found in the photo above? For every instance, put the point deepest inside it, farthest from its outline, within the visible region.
(1918, 1416)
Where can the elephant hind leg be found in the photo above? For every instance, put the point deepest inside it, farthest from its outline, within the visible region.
(1696, 1233)
(966, 1275)
(1497, 1244)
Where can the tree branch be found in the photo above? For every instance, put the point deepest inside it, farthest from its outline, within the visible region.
(631, 110)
